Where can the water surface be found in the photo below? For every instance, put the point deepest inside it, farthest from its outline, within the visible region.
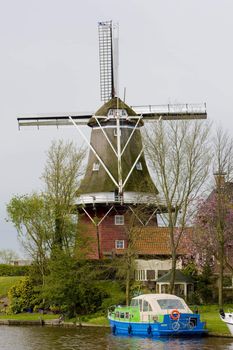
(53, 338)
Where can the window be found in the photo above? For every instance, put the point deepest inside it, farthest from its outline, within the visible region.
(169, 304)
(96, 166)
(115, 132)
(112, 113)
(140, 304)
(139, 166)
(119, 219)
(134, 302)
(140, 275)
(119, 244)
(146, 306)
(150, 275)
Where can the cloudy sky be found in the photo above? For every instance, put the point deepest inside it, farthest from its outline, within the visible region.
(170, 51)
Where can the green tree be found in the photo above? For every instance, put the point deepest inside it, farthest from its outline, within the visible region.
(48, 219)
(33, 220)
(70, 286)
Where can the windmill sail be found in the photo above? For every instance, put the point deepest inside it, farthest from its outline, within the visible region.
(108, 57)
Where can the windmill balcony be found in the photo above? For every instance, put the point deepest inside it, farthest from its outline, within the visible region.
(111, 197)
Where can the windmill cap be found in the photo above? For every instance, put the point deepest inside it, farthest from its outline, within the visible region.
(114, 103)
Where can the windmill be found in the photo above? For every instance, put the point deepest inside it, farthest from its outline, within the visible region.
(117, 177)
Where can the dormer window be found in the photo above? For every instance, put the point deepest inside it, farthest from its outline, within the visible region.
(96, 166)
(122, 113)
(139, 166)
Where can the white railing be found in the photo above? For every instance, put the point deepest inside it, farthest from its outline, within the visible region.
(128, 198)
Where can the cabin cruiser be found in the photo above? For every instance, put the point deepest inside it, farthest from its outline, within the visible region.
(153, 315)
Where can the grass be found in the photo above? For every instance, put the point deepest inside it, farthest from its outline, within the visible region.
(26, 316)
(210, 314)
(6, 282)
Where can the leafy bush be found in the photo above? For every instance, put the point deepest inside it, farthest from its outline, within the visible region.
(23, 296)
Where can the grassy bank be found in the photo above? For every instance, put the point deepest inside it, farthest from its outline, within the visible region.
(210, 314)
(6, 282)
(26, 316)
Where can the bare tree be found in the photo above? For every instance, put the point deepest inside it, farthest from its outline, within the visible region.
(61, 176)
(179, 158)
(215, 215)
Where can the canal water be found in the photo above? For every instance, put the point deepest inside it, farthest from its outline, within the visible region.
(52, 338)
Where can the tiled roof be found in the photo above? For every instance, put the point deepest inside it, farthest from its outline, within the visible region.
(153, 241)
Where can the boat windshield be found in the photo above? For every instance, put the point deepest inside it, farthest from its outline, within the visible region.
(169, 304)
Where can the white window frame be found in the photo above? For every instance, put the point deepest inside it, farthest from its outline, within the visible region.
(119, 242)
(119, 220)
(139, 166)
(96, 166)
(115, 132)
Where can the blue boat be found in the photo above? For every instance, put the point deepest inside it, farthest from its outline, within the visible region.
(155, 315)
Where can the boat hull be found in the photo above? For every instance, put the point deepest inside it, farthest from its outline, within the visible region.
(228, 319)
(157, 329)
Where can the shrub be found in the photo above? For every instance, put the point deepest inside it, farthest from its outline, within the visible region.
(23, 297)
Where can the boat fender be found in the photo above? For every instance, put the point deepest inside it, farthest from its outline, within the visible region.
(114, 329)
(129, 329)
(149, 330)
(175, 315)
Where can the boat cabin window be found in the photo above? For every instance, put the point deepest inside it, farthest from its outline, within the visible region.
(140, 304)
(134, 302)
(169, 304)
(146, 306)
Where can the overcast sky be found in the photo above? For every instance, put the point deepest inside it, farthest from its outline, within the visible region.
(170, 51)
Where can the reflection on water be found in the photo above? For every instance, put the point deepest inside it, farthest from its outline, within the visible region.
(49, 338)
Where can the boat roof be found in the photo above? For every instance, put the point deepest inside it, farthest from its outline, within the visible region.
(164, 303)
(150, 297)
